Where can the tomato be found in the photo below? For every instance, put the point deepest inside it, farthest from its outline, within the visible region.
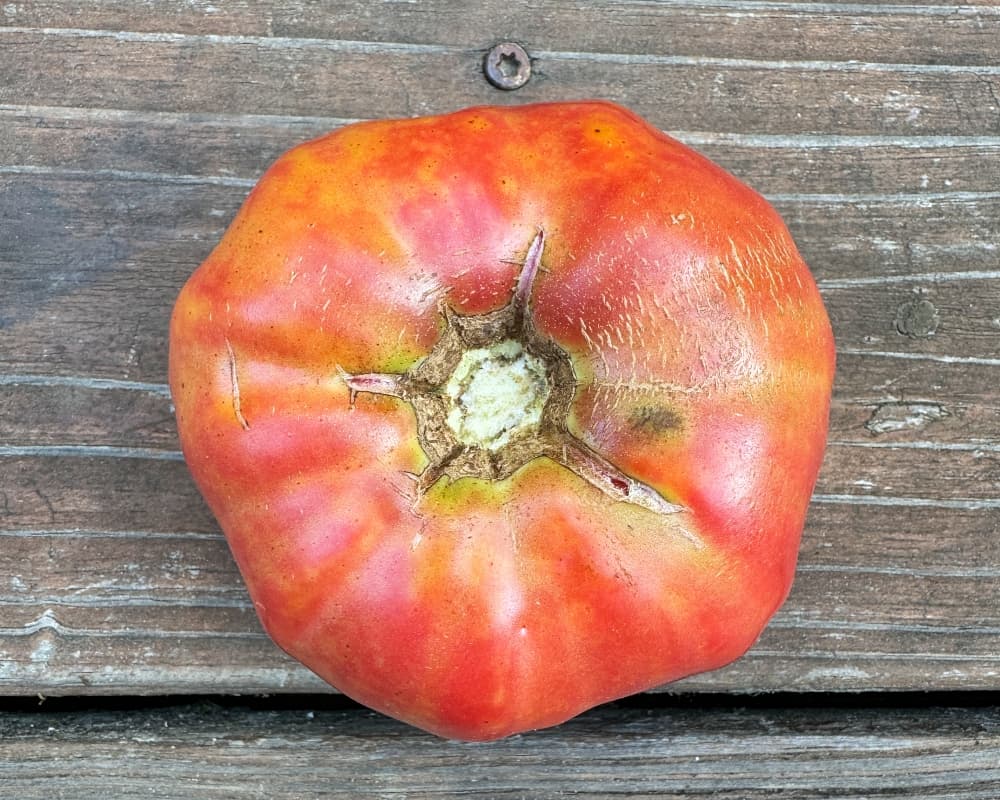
(505, 413)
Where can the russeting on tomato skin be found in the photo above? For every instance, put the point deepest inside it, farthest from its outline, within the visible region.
(505, 413)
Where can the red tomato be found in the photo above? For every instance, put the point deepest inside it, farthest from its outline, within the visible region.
(505, 413)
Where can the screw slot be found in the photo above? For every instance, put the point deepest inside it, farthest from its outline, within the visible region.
(507, 66)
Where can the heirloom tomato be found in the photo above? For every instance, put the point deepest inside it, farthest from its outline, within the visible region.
(505, 413)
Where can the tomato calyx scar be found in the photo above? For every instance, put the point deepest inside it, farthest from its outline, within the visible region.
(494, 394)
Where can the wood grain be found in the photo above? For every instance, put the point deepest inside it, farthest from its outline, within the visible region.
(96, 300)
(130, 134)
(926, 33)
(218, 147)
(143, 596)
(219, 752)
(232, 75)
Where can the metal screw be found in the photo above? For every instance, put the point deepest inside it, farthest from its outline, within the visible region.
(507, 66)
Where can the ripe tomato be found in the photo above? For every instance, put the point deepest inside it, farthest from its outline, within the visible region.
(505, 413)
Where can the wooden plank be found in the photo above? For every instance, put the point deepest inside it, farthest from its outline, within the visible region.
(867, 239)
(96, 300)
(39, 411)
(121, 584)
(927, 400)
(77, 489)
(226, 148)
(919, 315)
(219, 752)
(928, 472)
(152, 72)
(128, 648)
(928, 33)
(109, 489)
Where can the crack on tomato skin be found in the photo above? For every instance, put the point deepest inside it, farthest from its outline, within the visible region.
(521, 301)
(602, 474)
(424, 387)
(436, 471)
(234, 379)
(372, 382)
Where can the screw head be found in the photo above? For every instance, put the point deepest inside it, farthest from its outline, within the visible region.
(507, 66)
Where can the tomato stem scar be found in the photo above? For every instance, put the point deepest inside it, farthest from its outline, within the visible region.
(494, 393)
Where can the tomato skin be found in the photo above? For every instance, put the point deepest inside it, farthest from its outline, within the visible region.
(704, 362)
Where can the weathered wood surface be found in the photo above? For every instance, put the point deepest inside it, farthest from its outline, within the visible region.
(130, 133)
(209, 752)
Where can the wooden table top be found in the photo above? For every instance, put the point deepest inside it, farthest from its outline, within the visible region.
(129, 135)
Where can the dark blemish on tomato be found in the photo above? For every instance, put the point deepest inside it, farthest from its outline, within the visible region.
(655, 419)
